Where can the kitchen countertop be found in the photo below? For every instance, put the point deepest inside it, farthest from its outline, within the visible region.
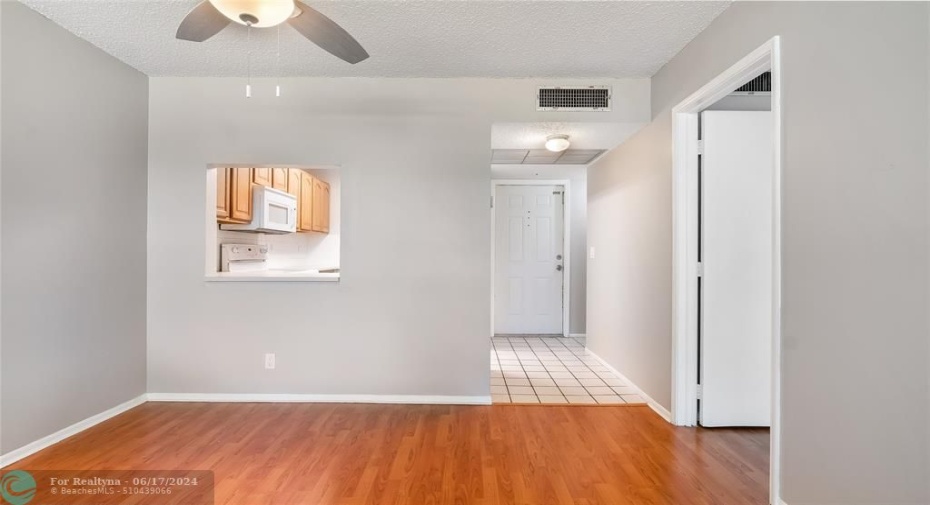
(274, 276)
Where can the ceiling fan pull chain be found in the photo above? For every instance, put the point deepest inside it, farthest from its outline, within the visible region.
(248, 84)
(277, 87)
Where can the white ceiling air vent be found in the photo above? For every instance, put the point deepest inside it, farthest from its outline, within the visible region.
(573, 98)
(761, 85)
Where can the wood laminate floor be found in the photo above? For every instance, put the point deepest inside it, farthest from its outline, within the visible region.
(314, 454)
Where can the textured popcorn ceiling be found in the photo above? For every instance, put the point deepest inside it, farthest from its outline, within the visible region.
(423, 38)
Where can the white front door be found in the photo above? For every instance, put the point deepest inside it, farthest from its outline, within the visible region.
(528, 266)
(736, 240)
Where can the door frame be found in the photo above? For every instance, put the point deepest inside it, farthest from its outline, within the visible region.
(685, 241)
(566, 242)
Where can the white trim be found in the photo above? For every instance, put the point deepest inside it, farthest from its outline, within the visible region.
(276, 165)
(317, 398)
(578, 335)
(566, 242)
(684, 272)
(775, 435)
(654, 405)
(684, 226)
(270, 276)
(45, 442)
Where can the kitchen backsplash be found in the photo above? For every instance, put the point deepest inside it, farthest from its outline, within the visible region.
(291, 251)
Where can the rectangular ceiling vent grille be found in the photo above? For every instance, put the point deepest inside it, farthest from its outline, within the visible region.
(761, 84)
(579, 98)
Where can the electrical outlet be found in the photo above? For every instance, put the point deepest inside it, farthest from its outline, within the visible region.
(591, 253)
(269, 361)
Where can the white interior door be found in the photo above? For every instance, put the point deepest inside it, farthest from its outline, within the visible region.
(528, 266)
(736, 299)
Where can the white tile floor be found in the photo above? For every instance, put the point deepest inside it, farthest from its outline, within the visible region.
(552, 370)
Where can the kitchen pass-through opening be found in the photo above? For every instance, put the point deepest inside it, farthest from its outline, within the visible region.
(272, 223)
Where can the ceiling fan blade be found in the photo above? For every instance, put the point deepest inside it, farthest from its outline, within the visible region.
(203, 22)
(325, 33)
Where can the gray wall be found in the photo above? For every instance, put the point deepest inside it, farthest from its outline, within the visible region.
(411, 313)
(743, 102)
(74, 128)
(855, 251)
(578, 180)
(630, 277)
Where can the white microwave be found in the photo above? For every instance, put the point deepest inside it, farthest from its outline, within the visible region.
(273, 211)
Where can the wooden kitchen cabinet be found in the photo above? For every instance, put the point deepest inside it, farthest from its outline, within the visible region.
(240, 195)
(233, 195)
(312, 201)
(262, 176)
(293, 182)
(279, 178)
(320, 206)
(222, 193)
(305, 202)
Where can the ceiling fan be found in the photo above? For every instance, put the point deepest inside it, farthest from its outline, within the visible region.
(211, 16)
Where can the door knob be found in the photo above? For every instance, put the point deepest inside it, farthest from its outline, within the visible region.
(558, 267)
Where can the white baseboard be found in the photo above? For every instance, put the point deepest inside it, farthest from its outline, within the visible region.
(578, 335)
(304, 398)
(654, 405)
(44, 442)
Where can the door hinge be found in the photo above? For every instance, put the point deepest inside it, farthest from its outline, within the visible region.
(700, 147)
(492, 201)
(699, 391)
(700, 270)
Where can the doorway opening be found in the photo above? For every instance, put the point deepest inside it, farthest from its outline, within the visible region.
(739, 233)
(554, 154)
(538, 228)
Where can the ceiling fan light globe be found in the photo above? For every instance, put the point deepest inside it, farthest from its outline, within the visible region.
(268, 12)
(557, 143)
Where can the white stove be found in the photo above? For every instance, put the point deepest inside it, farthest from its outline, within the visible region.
(243, 258)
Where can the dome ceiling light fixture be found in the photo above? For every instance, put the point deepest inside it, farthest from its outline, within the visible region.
(210, 17)
(257, 13)
(557, 143)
